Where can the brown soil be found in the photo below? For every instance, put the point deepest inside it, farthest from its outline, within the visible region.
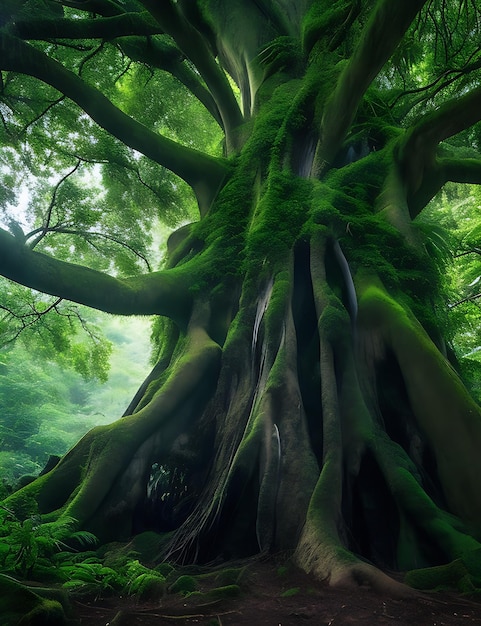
(273, 597)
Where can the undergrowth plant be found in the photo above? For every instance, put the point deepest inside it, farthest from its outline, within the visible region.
(28, 544)
(58, 554)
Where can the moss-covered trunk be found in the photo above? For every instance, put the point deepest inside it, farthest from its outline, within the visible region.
(299, 401)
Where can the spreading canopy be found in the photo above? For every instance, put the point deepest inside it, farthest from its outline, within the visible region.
(414, 66)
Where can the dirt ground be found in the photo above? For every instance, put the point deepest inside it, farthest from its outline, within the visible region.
(271, 598)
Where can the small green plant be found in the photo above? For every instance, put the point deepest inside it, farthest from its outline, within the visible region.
(144, 581)
(30, 541)
(290, 592)
(91, 576)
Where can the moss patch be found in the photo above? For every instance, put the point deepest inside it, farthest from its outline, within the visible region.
(21, 606)
(293, 591)
(463, 574)
(184, 584)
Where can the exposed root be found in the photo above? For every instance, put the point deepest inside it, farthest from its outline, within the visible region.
(284, 460)
(87, 475)
(445, 412)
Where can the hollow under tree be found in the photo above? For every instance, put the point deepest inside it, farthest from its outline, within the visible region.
(302, 399)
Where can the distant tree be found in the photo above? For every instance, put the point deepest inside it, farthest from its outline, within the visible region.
(301, 398)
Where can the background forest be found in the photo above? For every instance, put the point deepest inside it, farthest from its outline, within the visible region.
(48, 401)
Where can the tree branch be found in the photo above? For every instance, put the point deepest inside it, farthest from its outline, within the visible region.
(202, 172)
(99, 28)
(380, 38)
(193, 45)
(417, 152)
(435, 177)
(87, 235)
(444, 80)
(170, 59)
(467, 299)
(47, 219)
(101, 7)
(159, 293)
(129, 31)
(25, 320)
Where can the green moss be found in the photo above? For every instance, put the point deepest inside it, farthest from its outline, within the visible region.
(335, 322)
(227, 576)
(319, 22)
(288, 593)
(148, 586)
(280, 218)
(46, 613)
(441, 577)
(23, 503)
(116, 554)
(20, 606)
(166, 569)
(148, 545)
(284, 55)
(184, 584)
(279, 300)
(227, 591)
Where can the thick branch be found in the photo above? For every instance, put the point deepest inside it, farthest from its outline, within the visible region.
(98, 28)
(419, 148)
(381, 36)
(203, 173)
(106, 8)
(170, 59)
(130, 30)
(444, 170)
(191, 42)
(161, 293)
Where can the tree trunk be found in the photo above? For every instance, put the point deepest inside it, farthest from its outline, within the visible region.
(301, 401)
(301, 408)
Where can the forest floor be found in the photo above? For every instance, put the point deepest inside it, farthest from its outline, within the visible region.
(279, 596)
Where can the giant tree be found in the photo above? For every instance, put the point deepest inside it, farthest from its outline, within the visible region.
(302, 397)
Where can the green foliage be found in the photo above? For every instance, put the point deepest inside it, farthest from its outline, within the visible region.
(31, 542)
(144, 581)
(46, 407)
(451, 227)
(90, 576)
(55, 552)
(417, 72)
(49, 328)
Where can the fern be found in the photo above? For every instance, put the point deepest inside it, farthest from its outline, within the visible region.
(31, 540)
(92, 577)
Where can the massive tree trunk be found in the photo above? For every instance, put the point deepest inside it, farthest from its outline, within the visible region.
(301, 400)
